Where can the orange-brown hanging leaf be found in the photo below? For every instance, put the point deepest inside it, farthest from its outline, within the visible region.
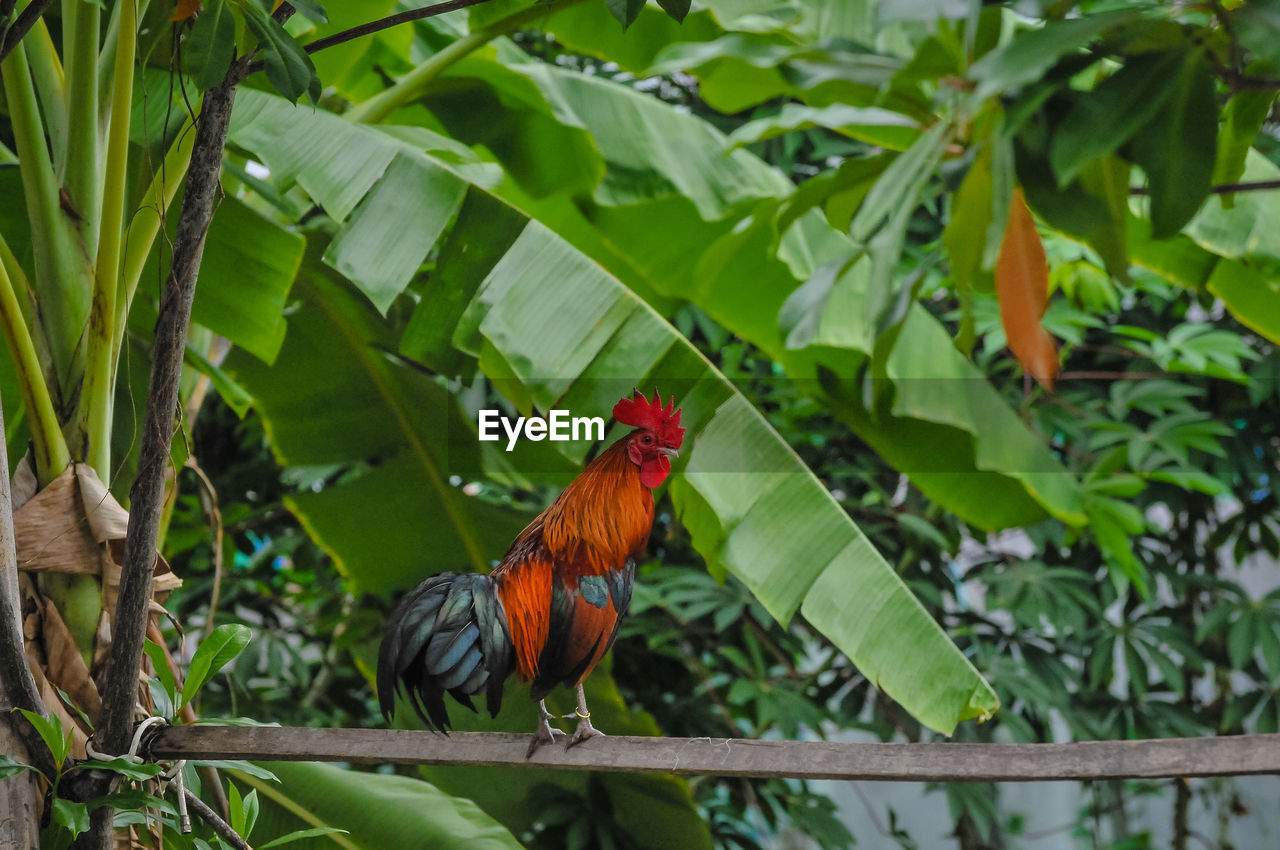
(184, 9)
(1022, 285)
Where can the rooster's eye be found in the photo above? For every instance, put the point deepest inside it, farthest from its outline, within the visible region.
(647, 439)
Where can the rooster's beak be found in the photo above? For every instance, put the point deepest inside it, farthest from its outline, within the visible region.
(669, 452)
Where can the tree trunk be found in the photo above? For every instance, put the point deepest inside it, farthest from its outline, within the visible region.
(19, 797)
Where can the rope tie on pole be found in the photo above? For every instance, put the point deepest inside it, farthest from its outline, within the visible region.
(171, 774)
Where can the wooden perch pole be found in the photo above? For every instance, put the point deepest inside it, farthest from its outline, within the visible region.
(1168, 757)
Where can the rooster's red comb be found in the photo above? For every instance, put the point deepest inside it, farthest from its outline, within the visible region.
(639, 412)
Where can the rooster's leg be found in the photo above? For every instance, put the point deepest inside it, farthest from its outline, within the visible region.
(585, 730)
(545, 733)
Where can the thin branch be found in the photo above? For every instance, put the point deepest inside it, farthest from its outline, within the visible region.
(381, 24)
(414, 83)
(1062, 827)
(1225, 188)
(224, 830)
(1110, 376)
(25, 21)
(1243, 81)
(146, 496)
(147, 492)
(871, 812)
(213, 518)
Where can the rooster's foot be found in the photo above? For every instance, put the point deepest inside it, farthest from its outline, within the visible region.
(585, 730)
(545, 733)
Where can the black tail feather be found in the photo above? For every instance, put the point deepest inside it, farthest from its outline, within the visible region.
(448, 634)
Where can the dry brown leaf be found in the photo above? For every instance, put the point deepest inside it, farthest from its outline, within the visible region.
(75, 526)
(52, 533)
(65, 665)
(1022, 285)
(185, 9)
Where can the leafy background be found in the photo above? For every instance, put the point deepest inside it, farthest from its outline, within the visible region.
(790, 213)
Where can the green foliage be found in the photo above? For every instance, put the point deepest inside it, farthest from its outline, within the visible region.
(738, 486)
(51, 730)
(9, 766)
(1177, 148)
(748, 207)
(210, 47)
(713, 661)
(289, 68)
(375, 810)
(216, 651)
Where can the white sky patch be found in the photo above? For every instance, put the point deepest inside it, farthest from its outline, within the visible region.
(257, 169)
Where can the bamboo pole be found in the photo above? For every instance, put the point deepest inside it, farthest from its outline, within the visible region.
(1151, 759)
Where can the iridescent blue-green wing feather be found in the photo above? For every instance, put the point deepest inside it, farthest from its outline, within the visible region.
(495, 644)
(448, 635)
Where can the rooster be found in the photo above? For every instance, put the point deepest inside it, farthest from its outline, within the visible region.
(550, 610)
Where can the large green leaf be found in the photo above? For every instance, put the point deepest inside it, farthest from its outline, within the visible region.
(480, 88)
(1246, 289)
(783, 534)
(1251, 295)
(1092, 208)
(1251, 227)
(336, 177)
(249, 265)
(376, 810)
(939, 400)
(1178, 146)
(743, 288)
(211, 46)
(589, 28)
(386, 440)
(1106, 117)
(542, 282)
(651, 150)
(646, 229)
(968, 230)
(869, 124)
(741, 69)
(1242, 119)
(1031, 53)
(389, 234)
(1244, 239)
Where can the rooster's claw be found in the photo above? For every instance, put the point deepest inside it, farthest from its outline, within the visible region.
(545, 733)
(584, 731)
